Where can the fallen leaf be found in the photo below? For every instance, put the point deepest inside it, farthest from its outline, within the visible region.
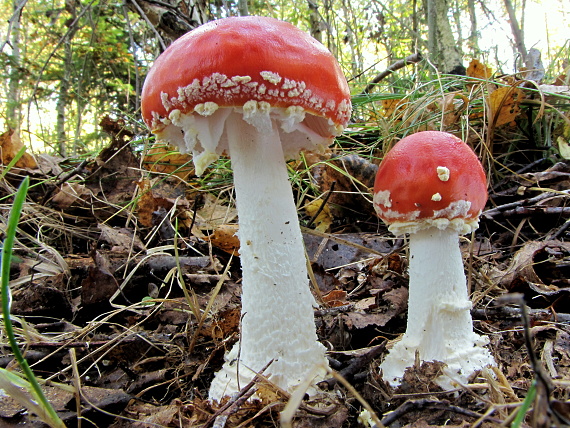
(392, 107)
(49, 165)
(479, 70)
(157, 194)
(335, 298)
(69, 194)
(215, 212)
(504, 105)
(10, 145)
(351, 178)
(226, 322)
(225, 238)
(44, 298)
(538, 269)
(113, 178)
(452, 106)
(349, 248)
(320, 214)
(563, 147)
(120, 239)
(564, 138)
(100, 284)
(164, 159)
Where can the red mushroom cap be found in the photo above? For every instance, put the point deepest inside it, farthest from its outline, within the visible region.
(430, 179)
(234, 60)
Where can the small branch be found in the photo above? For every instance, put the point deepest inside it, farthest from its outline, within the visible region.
(415, 405)
(325, 200)
(355, 366)
(412, 59)
(232, 406)
(527, 206)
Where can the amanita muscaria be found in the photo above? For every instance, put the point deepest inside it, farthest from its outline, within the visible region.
(258, 90)
(432, 186)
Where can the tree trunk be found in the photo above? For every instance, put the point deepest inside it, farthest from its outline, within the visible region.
(442, 45)
(473, 34)
(13, 105)
(62, 101)
(315, 21)
(329, 19)
(64, 85)
(516, 29)
(171, 18)
(242, 8)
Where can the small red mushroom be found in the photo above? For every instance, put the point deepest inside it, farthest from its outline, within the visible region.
(259, 90)
(432, 186)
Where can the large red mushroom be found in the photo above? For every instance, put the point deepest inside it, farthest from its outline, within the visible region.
(432, 186)
(258, 90)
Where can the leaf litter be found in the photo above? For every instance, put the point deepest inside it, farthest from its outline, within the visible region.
(120, 291)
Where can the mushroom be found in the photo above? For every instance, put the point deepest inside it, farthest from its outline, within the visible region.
(432, 186)
(259, 90)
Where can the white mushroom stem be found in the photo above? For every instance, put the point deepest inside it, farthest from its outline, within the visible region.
(277, 305)
(439, 326)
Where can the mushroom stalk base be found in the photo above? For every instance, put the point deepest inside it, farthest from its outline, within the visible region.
(439, 326)
(277, 305)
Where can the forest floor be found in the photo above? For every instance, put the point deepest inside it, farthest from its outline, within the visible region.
(116, 265)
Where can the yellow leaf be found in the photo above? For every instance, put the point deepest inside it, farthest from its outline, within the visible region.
(162, 158)
(392, 106)
(323, 219)
(504, 104)
(479, 70)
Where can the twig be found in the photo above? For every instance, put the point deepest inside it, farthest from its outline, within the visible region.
(326, 198)
(150, 25)
(544, 384)
(424, 403)
(361, 400)
(412, 59)
(76, 171)
(561, 230)
(16, 16)
(525, 206)
(222, 418)
(236, 400)
(510, 312)
(355, 365)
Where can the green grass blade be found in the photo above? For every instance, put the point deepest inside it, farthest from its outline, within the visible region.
(49, 415)
(12, 162)
(525, 406)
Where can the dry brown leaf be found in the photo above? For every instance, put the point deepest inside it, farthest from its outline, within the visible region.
(100, 284)
(69, 193)
(352, 177)
(146, 204)
(121, 239)
(226, 323)
(215, 212)
(479, 70)
(452, 106)
(10, 145)
(162, 158)
(504, 104)
(534, 264)
(159, 194)
(224, 237)
(335, 298)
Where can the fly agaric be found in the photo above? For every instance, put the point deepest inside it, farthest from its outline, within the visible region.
(259, 90)
(432, 186)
